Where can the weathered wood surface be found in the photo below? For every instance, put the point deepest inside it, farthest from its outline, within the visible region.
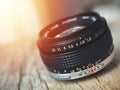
(22, 69)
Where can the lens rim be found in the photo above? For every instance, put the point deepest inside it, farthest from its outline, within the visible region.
(53, 40)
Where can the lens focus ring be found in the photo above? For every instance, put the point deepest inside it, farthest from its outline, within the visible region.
(79, 57)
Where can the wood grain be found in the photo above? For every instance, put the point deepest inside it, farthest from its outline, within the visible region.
(21, 68)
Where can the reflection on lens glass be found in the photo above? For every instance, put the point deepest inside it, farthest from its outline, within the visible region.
(69, 31)
(86, 20)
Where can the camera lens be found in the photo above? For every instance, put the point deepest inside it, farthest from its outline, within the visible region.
(76, 46)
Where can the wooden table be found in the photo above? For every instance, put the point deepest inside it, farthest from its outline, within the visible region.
(21, 68)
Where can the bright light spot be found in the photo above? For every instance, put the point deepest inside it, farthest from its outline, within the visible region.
(18, 19)
(6, 10)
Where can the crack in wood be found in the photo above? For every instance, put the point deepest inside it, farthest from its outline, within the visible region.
(31, 86)
(98, 82)
(79, 86)
(116, 66)
(43, 81)
(19, 83)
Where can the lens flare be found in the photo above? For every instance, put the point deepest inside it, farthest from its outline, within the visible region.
(18, 20)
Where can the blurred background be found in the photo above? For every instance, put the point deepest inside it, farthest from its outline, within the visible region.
(23, 19)
(20, 23)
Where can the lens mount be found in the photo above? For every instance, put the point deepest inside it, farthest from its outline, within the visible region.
(75, 44)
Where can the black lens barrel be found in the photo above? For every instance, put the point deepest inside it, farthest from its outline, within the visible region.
(88, 45)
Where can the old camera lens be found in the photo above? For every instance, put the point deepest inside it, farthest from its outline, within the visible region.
(76, 46)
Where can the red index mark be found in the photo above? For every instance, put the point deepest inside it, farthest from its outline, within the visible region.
(92, 70)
